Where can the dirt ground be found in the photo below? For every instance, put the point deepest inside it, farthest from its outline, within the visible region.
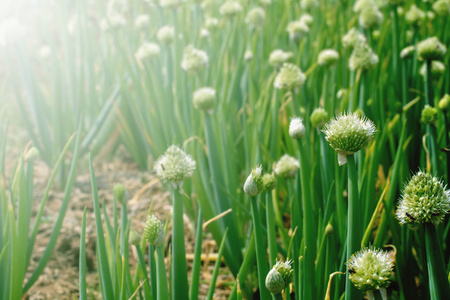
(60, 278)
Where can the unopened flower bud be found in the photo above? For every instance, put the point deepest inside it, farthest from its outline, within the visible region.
(204, 99)
(297, 30)
(268, 181)
(437, 69)
(444, 103)
(352, 38)
(230, 8)
(119, 192)
(154, 231)
(254, 183)
(287, 166)
(362, 57)
(142, 22)
(414, 15)
(32, 154)
(279, 277)
(278, 57)
(370, 17)
(147, 50)
(429, 115)
(296, 128)
(307, 19)
(319, 117)
(442, 8)
(134, 238)
(407, 52)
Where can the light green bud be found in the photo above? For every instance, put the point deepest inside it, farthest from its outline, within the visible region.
(297, 30)
(142, 22)
(147, 51)
(437, 69)
(119, 192)
(429, 115)
(407, 52)
(278, 57)
(370, 17)
(279, 277)
(442, 8)
(289, 77)
(175, 165)
(444, 103)
(194, 59)
(230, 8)
(287, 166)
(362, 57)
(154, 231)
(352, 38)
(319, 117)
(204, 99)
(254, 183)
(328, 57)
(166, 34)
(414, 15)
(256, 17)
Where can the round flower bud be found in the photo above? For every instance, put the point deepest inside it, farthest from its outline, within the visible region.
(278, 57)
(142, 22)
(230, 8)
(254, 183)
(328, 57)
(194, 59)
(307, 19)
(376, 35)
(204, 99)
(175, 165)
(360, 5)
(442, 8)
(444, 103)
(424, 199)
(290, 77)
(348, 133)
(166, 34)
(287, 166)
(414, 15)
(119, 192)
(407, 52)
(32, 154)
(268, 181)
(319, 117)
(308, 4)
(296, 128)
(154, 231)
(147, 51)
(256, 17)
(431, 49)
(437, 69)
(297, 30)
(44, 51)
(370, 17)
(429, 115)
(134, 238)
(362, 57)
(352, 38)
(409, 35)
(248, 55)
(370, 269)
(279, 277)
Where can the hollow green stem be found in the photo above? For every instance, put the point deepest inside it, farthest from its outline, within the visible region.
(161, 287)
(179, 269)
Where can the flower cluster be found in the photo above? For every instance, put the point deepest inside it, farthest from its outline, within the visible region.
(194, 59)
(175, 165)
(290, 77)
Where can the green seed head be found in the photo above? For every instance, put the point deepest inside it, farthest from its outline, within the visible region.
(407, 52)
(154, 231)
(297, 30)
(290, 77)
(319, 117)
(194, 59)
(414, 15)
(296, 128)
(370, 17)
(269, 181)
(230, 8)
(175, 165)
(254, 183)
(444, 103)
(166, 34)
(287, 166)
(256, 17)
(431, 49)
(328, 57)
(362, 57)
(278, 57)
(352, 38)
(348, 133)
(437, 70)
(147, 51)
(429, 115)
(204, 99)
(119, 192)
(280, 276)
(370, 269)
(442, 8)
(425, 199)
